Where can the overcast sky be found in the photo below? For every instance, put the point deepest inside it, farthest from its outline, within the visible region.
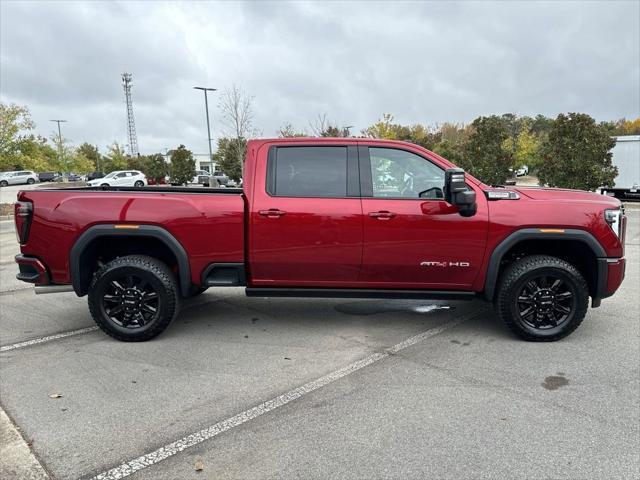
(423, 62)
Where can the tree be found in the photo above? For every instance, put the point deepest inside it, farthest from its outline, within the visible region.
(484, 153)
(64, 153)
(92, 154)
(227, 154)
(236, 108)
(525, 147)
(157, 167)
(321, 126)
(79, 163)
(288, 131)
(13, 120)
(19, 148)
(138, 162)
(183, 165)
(622, 127)
(383, 128)
(577, 154)
(116, 158)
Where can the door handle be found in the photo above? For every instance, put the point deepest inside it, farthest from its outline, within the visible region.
(382, 215)
(272, 213)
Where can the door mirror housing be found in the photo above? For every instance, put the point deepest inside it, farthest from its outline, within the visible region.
(457, 193)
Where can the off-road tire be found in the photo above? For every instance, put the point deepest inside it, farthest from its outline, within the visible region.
(519, 274)
(159, 279)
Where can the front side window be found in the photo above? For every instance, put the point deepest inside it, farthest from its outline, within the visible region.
(401, 174)
(309, 172)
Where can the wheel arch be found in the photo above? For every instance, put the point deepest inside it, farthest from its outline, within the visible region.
(81, 273)
(563, 238)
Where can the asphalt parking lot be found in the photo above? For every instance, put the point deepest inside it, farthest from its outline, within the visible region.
(297, 388)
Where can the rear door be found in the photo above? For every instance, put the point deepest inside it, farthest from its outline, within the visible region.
(121, 178)
(18, 178)
(306, 219)
(413, 238)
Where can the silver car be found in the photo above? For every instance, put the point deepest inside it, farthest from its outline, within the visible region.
(18, 178)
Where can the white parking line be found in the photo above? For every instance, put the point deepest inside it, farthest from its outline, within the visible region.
(178, 446)
(48, 338)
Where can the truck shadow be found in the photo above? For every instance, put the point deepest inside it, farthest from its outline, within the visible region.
(215, 313)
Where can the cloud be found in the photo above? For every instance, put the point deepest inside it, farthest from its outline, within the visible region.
(424, 62)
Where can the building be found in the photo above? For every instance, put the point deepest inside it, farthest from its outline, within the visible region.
(202, 161)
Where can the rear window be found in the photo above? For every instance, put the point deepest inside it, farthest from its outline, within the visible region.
(308, 172)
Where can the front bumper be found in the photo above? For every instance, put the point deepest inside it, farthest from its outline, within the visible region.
(610, 277)
(32, 270)
(615, 275)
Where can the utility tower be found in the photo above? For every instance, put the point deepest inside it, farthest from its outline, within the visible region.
(131, 123)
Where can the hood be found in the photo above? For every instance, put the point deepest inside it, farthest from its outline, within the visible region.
(565, 194)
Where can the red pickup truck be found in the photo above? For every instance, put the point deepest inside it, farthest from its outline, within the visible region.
(327, 218)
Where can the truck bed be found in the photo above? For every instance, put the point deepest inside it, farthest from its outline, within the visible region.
(207, 222)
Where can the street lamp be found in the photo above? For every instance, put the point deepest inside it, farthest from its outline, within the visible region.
(345, 130)
(212, 180)
(60, 142)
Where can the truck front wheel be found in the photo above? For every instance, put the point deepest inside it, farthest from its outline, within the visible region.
(133, 298)
(542, 298)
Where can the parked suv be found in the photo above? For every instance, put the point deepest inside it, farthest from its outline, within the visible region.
(48, 176)
(18, 178)
(120, 178)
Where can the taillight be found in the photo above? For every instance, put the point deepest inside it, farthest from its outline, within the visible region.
(23, 212)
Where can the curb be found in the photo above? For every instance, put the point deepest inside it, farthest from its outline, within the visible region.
(16, 459)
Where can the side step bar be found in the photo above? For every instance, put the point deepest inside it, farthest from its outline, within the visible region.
(42, 289)
(359, 293)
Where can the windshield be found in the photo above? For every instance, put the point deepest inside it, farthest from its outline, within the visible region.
(111, 175)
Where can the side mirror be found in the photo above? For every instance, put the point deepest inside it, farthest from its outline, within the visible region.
(457, 193)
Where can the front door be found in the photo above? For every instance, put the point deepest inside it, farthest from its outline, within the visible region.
(413, 238)
(306, 221)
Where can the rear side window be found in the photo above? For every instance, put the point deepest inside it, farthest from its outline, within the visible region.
(308, 172)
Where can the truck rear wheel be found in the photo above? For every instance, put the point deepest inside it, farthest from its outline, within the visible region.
(542, 298)
(133, 298)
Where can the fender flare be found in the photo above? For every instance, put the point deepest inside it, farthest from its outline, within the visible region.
(493, 269)
(111, 230)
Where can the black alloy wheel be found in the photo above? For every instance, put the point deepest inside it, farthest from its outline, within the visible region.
(130, 301)
(545, 302)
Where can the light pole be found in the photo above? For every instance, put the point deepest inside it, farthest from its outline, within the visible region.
(212, 181)
(60, 143)
(345, 130)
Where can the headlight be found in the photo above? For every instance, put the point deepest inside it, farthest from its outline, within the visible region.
(614, 219)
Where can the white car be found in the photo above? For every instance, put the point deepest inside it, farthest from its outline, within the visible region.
(18, 178)
(523, 170)
(120, 178)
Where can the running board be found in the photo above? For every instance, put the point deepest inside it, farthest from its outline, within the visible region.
(359, 293)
